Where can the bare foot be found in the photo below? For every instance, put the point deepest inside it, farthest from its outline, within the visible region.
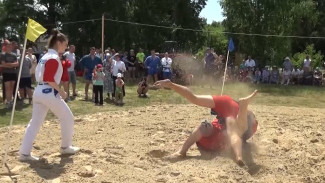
(240, 162)
(248, 99)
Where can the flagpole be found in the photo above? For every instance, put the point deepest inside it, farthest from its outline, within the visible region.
(15, 100)
(224, 75)
(103, 21)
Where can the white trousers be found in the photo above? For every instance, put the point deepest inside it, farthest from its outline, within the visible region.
(43, 100)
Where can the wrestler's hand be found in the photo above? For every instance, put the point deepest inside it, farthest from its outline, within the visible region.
(163, 83)
(63, 94)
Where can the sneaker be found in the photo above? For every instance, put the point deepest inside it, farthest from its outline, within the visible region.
(70, 150)
(24, 158)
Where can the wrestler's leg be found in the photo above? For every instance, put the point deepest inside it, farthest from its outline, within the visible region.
(203, 130)
(242, 114)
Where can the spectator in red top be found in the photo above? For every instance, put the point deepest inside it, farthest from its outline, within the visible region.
(234, 124)
(66, 64)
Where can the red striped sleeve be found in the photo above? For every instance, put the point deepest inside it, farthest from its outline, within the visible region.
(51, 66)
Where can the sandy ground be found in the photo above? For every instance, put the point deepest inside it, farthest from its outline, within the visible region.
(131, 146)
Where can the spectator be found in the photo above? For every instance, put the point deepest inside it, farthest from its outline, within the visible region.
(70, 55)
(118, 67)
(250, 63)
(152, 64)
(108, 81)
(242, 65)
(257, 76)
(15, 49)
(143, 87)
(98, 52)
(166, 62)
(296, 75)
(26, 80)
(132, 64)
(66, 64)
(265, 75)
(274, 77)
(242, 75)
(317, 77)
(140, 60)
(107, 53)
(33, 60)
(9, 64)
(307, 65)
(126, 62)
(118, 91)
(208, 63)
(287, 64)
(98, 84)
(286, 75)
(89, 62)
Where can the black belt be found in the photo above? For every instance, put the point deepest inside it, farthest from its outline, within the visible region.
(43, 84)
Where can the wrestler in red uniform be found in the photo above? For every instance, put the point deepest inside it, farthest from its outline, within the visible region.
(234, 123)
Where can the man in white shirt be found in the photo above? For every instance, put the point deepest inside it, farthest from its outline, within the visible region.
(307, 64)
(166, 62)
(72, 74)
(33, 60)
(250, 63)
(118, 67)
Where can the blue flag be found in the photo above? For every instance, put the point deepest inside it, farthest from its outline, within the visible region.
(231, 46)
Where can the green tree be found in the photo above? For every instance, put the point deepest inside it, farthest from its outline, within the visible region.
(316, 57)
(271, 18)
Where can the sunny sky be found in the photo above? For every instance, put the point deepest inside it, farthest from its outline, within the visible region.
(212, 11)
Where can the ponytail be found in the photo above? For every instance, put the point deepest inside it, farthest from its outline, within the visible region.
(56, 36)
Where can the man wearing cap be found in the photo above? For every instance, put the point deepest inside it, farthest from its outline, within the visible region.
(89, 62)
(287, 64)
(9, 63)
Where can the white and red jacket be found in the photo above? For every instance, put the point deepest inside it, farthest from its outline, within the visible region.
(49, 68)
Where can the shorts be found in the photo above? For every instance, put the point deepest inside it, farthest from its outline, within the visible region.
(152, 72)
(209, 70)
(88, 77)
(25, 83)
(167, 75)
(217, 138)
(72, 77)
(9, 77)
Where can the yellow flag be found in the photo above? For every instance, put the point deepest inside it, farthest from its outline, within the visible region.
(34, 30)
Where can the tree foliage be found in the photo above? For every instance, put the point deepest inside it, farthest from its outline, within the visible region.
(316, 57)
(270, 17)
(55, 13)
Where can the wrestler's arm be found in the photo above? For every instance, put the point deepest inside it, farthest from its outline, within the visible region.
(200, 100)
(51, 68)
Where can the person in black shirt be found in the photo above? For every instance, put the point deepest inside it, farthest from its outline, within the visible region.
(132, 64)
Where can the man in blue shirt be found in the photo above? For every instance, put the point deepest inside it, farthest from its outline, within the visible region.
(88, 62)
(152, 63)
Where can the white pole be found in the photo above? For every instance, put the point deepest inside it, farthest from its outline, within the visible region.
(14, 106)
(103, 51)
(224, 75)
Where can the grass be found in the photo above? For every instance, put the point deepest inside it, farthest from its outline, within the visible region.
(271, 95)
